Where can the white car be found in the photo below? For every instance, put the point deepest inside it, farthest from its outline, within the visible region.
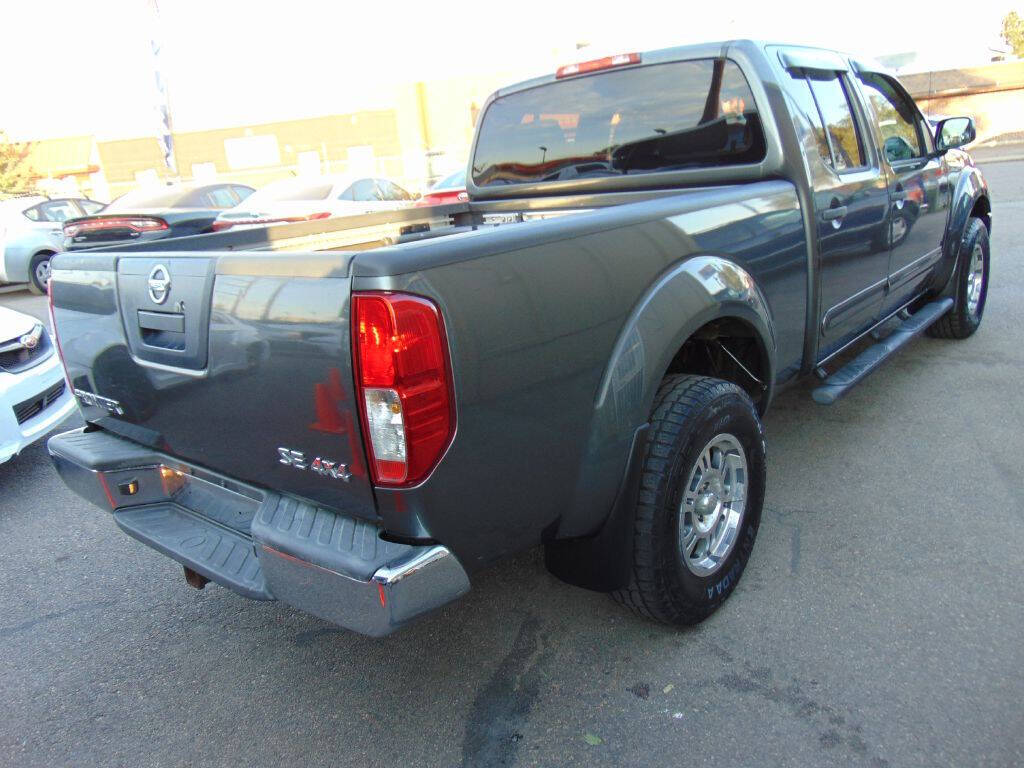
(319, 197)
(31, 231)
(34, 396)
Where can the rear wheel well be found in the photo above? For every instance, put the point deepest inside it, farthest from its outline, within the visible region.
(983, 210)
(727, 348)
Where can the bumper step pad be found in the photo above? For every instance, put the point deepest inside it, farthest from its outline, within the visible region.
(218, 553)
(324, 538)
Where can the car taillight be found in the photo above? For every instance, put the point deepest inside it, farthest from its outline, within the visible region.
(608, 62)
(134, 223)
(220, 226)
(403, 378)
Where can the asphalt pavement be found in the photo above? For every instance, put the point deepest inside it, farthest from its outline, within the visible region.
(879, 623)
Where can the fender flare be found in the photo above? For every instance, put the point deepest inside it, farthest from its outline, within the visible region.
(699, 289)
(970, 188)
(685, 297)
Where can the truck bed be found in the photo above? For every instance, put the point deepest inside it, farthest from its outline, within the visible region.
(536, 305)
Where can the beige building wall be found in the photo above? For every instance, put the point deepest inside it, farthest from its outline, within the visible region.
(993, 95)
(426, 133)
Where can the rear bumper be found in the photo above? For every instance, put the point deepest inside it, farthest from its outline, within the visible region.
(260, 544)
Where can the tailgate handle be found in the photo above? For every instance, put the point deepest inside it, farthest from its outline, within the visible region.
(161, 321)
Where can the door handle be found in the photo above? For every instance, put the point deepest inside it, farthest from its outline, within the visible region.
(836, 213)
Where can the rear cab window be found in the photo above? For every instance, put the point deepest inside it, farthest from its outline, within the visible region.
(658, 117)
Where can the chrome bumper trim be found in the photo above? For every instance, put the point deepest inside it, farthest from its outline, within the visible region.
(396, 594)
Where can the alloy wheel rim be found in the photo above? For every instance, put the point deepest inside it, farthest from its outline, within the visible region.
(713, 503)
(43, 272)
(975, 280)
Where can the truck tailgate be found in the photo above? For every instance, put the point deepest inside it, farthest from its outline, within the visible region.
(230, 361)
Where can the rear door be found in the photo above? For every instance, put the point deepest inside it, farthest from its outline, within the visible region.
(850, 199)
(919, 188)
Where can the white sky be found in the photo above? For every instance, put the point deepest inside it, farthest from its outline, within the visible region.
(86, 67)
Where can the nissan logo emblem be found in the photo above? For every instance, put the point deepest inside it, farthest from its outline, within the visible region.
(159, 284)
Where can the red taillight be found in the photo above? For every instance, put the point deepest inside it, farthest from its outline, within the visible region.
(403, 377)
(134, 223)
(220, 226)
(607, 62)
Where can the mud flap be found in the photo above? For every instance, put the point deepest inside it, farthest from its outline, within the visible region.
(603, 562)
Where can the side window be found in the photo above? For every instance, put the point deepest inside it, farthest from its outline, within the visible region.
(896, 116)
(33, 213)
(348, 193)
(834, 103)
(57, 210)
(365, 190)
(804, 102)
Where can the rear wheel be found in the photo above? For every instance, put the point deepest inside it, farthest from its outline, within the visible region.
(39, 272)
(700, 499)
(971, 286)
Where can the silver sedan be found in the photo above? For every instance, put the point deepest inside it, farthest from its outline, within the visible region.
(31, 231)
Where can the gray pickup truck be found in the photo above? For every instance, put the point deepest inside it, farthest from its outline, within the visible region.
(355, 415)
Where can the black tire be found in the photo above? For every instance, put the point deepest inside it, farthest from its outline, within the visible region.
(689, 411)
(36, 285)
(960, 322)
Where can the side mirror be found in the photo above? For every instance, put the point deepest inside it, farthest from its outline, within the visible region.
(954, 132)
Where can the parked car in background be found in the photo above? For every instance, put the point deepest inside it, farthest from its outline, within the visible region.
(31, 231)
(450, 189)
(318, 197)
(154, 213)
(34, 397)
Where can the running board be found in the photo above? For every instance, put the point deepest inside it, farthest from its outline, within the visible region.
(851, 374)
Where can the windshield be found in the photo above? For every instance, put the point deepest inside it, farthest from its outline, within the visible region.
(291, 189)
(686, 114)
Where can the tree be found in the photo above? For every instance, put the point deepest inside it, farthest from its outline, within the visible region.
(1013, 32)
(15, 173)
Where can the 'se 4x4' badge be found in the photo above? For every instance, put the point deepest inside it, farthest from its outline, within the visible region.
(323, 467)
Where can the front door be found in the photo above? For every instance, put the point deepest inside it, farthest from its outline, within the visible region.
(919, 189)
(850, 202)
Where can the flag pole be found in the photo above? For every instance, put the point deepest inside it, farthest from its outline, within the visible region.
(165, 126)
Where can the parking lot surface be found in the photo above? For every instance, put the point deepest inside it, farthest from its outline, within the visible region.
(879, 623)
